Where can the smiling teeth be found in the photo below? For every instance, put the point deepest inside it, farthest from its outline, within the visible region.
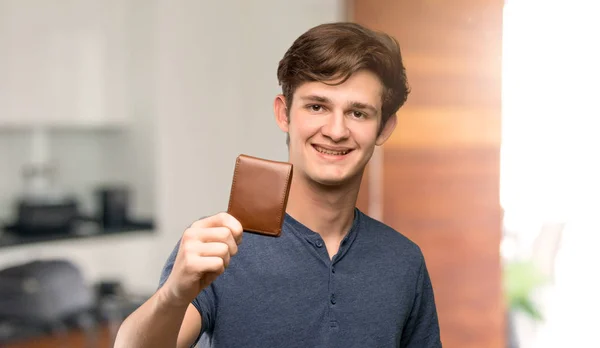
(330, 152)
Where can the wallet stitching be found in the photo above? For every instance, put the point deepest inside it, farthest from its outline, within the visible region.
(235, 171)
(285, 188)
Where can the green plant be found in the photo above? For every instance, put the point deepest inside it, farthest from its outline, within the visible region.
(521, 278)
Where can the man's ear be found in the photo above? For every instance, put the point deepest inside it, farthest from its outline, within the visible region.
(281, 112)
(387, 130)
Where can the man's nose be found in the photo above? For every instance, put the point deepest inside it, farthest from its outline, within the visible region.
(335, 127)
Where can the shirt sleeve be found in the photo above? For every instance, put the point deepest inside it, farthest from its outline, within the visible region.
(422, 328)
(204, 302)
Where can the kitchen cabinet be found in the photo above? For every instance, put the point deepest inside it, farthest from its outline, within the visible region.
(63, 64)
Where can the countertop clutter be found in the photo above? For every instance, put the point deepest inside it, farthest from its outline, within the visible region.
(49, 217)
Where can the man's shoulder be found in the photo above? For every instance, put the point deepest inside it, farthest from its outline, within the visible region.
(389, 238)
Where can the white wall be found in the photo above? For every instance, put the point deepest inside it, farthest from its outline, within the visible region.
(204, 77)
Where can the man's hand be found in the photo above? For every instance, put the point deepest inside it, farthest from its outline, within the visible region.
(204, 252)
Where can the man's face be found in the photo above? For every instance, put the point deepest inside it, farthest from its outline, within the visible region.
(333, 129)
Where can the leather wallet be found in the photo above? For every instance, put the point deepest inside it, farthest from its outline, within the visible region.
(259, 194)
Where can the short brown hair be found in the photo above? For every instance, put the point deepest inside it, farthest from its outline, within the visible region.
(335, 51)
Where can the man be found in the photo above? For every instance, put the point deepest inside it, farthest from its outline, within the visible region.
(335, 277)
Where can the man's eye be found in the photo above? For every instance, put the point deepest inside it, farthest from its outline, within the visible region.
(316, 108)
(358, 114)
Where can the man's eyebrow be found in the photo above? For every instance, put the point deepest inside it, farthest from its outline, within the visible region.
(364, 106)
(316, 98)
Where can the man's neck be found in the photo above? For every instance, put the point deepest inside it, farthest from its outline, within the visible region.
(326, 210)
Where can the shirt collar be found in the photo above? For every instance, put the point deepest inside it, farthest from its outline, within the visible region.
(304, 232)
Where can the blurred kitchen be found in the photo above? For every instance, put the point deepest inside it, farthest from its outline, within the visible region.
(120, 121)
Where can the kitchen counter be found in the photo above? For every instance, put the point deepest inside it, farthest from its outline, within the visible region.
(9, 238)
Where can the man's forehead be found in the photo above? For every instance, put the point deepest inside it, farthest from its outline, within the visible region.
(340, 94)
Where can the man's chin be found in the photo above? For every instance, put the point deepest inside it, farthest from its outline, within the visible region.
(333, 181)
(338, 177)
(330, 182)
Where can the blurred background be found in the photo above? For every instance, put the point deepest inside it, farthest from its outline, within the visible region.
(120, 121)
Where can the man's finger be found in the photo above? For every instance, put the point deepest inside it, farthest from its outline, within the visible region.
(222, 219)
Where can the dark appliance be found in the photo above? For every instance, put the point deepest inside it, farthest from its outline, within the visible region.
(113, 202)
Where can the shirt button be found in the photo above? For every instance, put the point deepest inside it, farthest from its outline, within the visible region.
(332, 269)
(332, 299)
(319, 243)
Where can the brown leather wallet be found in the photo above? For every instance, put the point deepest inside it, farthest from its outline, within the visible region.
(259, 194)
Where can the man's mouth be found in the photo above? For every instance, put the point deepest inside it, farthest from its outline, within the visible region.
(334, 152)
